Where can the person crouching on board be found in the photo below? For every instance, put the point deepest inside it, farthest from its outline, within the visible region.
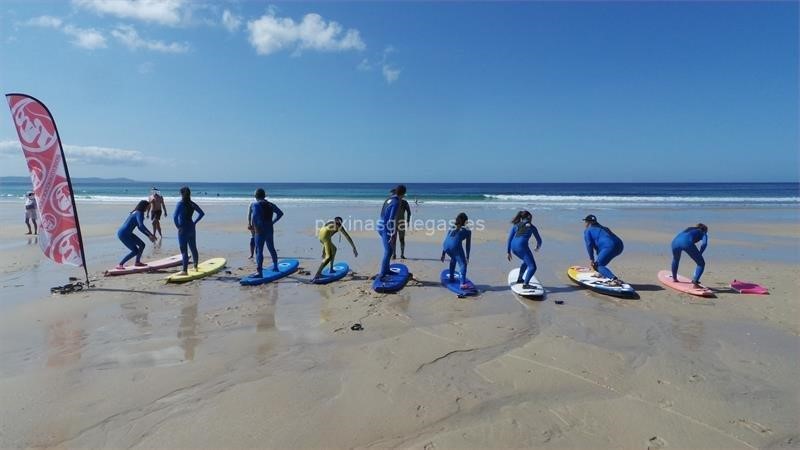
(685, 242)
(607, 245)
(125, 234)
(260, 220)
(452, 247)
(520, 234)
(325, 234)
(183, 216)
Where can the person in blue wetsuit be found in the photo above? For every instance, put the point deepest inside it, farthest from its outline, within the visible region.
(608, 246)
(183, 216)
(261, 217)
(387, 226)
(452, 247)
(685, 242)
(521, 231)
(125, 234)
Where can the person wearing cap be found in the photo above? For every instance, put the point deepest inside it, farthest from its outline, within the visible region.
(387, 225)
(605, 243)
(30, 213)
(155, 209)
(403, 220)
(685, 242)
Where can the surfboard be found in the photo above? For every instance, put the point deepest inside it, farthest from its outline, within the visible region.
(340, 269)
(285, 267)
(683, 285)
(394, 281)
(744, 287)
(454, 285)
(588, 278)
(164, 263)
(204, 269)
(537, 291)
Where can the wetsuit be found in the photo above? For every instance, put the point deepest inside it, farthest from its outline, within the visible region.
(607, 244)
(386, 226)
(518, 238)
(328, 249)
(404, 217)
(685, 242)
(134, 244)
(452, 247)
(261, 218)
(185, 223)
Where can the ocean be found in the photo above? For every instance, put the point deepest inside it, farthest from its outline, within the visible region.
(608, 195)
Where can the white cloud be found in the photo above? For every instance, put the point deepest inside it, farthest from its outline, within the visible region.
(271, 34)
(146, 68)
(165, 12)
(87, 38)
(89, 155)
(230, 21)
(44, 22)
(390, 73)
(129, 37)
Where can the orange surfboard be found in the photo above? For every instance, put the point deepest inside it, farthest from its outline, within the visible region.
(683, 285)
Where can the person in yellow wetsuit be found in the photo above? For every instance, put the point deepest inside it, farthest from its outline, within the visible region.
(328, 249)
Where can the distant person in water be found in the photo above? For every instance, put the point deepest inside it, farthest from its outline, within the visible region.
(31, 213)
(387, 226)
(685, 242)
(183, 216)
(606, 244)
(328, 249)
(155, 210)
(125, 234)
(402, 223)
(452, 247)
(519, 235)
(261, 217)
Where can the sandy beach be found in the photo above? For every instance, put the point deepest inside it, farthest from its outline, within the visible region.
(136, 363)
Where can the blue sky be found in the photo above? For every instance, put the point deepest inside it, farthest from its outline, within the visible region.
(388, 92)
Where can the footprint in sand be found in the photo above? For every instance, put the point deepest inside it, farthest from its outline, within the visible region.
(656, 442)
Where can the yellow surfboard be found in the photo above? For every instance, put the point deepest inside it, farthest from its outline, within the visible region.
(204, 269)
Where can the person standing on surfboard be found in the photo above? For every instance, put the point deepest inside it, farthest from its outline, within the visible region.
(183, 216)
(518, 237)
(685, 242)
(402, 223)
(155, 210)
(260, 220)
(328, 249)
(387, 225)
(452, 247)
(607, 245)
(125, 234)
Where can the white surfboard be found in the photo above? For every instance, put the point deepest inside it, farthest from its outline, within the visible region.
(537, 291)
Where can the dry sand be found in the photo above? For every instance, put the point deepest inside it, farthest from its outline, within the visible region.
(135, 363)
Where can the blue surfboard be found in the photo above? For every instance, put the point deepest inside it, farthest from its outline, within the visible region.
(340, 269)
(394, 281)
(285, 267)
(455, 284)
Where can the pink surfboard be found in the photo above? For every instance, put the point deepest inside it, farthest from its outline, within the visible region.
(683, 285)
(172, 261)
(744, 287)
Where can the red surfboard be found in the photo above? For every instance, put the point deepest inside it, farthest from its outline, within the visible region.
(683, 285)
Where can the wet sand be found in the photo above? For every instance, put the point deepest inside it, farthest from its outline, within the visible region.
(136, 363)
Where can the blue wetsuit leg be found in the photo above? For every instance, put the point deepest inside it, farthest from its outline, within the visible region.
(604, 256)
(695, 254)
(260, 240)
(134, 244)
(522, 251)
(676, 259)
(457, 257)
(387, 253)
(271, 248)
(188, 241)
